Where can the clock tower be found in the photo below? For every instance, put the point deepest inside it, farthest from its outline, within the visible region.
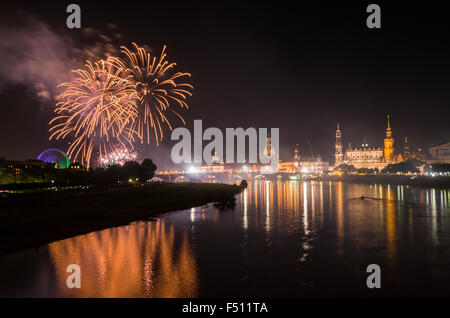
(388, 143)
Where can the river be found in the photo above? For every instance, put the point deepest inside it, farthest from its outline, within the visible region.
(282, 239)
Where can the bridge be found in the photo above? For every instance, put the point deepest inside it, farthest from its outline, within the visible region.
(230, 176)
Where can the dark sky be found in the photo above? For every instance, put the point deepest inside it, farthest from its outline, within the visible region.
(302, 68)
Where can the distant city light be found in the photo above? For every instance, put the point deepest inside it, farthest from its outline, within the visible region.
(192, 169)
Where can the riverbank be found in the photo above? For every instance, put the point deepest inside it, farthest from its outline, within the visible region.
(31, 220)
(416, 181)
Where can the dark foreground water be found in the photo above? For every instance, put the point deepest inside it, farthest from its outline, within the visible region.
(290, 239)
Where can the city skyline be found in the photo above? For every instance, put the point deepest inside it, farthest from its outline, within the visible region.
(224, 156)
(347, 74)
(304, 150)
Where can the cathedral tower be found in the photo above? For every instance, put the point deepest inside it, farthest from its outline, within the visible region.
(338, 154)
(296, 154)
(268, 150)
(406, 150)
(388, 142)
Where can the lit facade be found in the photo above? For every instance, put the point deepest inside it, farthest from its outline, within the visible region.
(440, 153)
(315, 166)
(388, 143)
(338, 154)
(268, 157)
(366, 156)
(215, 166)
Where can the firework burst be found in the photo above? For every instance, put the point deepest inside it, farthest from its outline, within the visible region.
(158, 89)
(96, 110)
(118, 157)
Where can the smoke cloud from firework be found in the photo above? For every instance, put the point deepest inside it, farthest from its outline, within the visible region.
(34, 55)
(40, 57)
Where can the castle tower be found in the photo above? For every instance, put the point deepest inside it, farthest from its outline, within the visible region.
(388, 142)
(338, 154)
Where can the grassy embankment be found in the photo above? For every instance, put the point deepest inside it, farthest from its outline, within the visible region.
(31, 220)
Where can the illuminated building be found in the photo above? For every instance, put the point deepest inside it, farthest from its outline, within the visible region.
(410, 153)
(288, 166)
(366, 156)
(313, 165)
(76, 166)
(269, 156)
(215, 166)
(440, 153)
(296, 154)
(406, 150)
(28, 164)
(338, 154)
(18, 167)
(388, 143)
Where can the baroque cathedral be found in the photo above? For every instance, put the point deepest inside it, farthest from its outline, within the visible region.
(365, 156)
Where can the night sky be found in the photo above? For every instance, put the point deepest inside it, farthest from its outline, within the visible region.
(302, 68)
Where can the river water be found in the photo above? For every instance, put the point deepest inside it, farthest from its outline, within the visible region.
(282, 239)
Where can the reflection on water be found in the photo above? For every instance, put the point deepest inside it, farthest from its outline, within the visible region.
(143, 259)
(282, 239)
(130, 261)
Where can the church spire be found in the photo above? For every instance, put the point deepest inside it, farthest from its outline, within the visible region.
(338, 154)
(269, 145)
(388, 142)
(296, 154)
(388, 129)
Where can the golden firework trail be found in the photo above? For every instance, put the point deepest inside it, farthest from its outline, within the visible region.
(96, 110)
(157, 87)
